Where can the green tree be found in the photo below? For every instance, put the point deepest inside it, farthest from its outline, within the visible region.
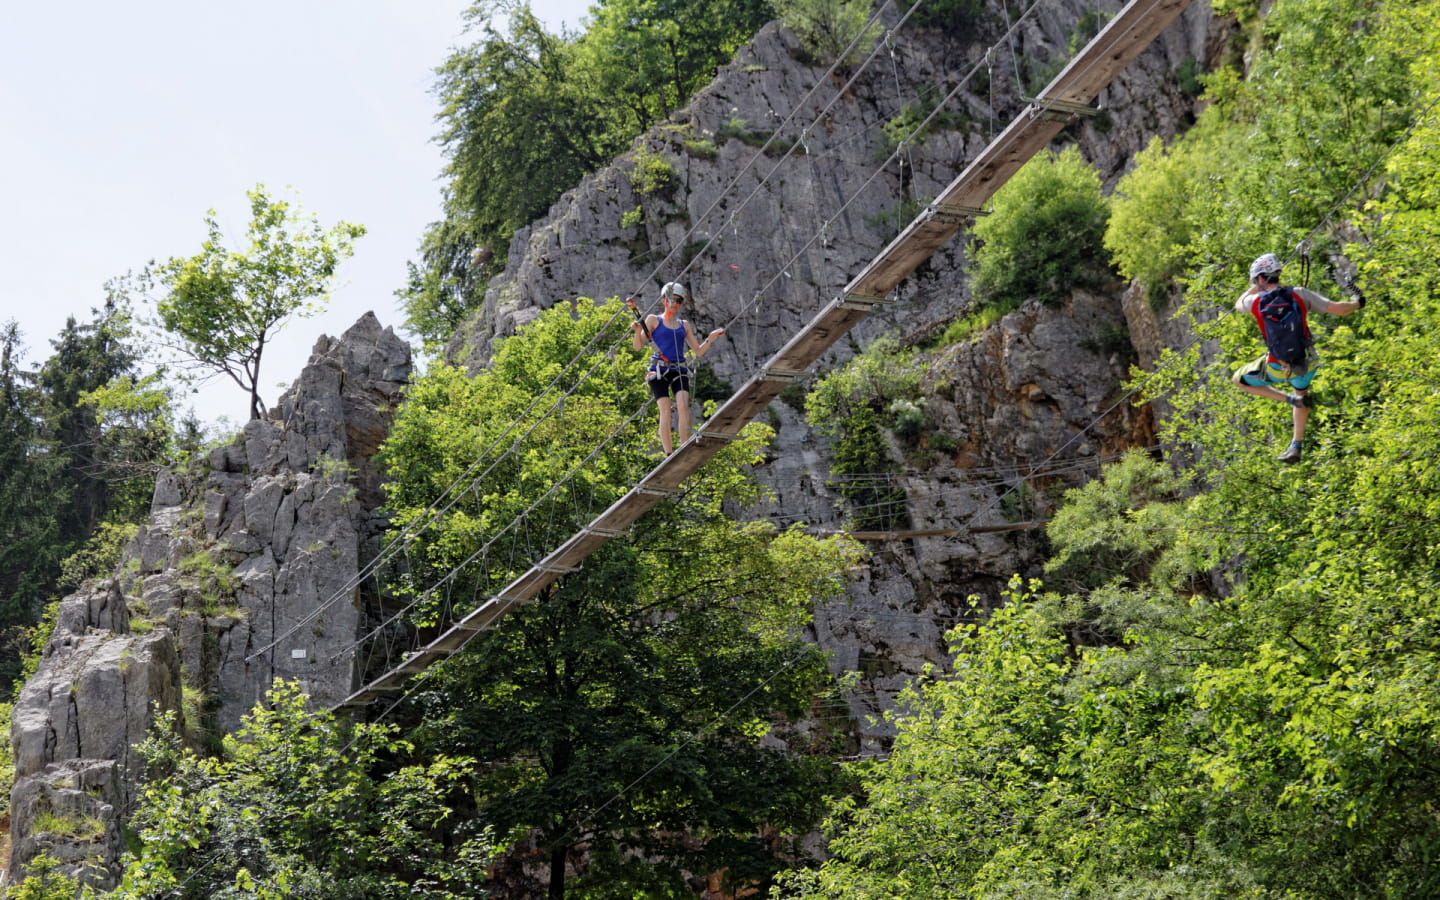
(112, 453)
(649, 56)
(1153, 219)
(69, 463)
(526, 114)
(32, 492)
(827, 28)
(619, 715)
(224, 306)
(854, 404)
(1044, 237)
(299, 804)
(43, 881)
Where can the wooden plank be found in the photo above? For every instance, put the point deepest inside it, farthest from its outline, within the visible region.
(528, 585)
(828, 326)
(419, 661)
(574, 551)
(744, 405)
(1123, 38)
(626, 511)
(681, 464)
(486, 614)
(452, 640)
(999, 162)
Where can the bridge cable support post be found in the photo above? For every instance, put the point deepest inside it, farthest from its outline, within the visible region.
(953, 214)
(1060, 110)
(864, 302)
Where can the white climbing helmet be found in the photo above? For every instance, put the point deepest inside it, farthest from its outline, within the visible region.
(674, 289)
(1267, 264)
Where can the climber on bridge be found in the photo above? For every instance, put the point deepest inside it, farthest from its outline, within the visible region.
(1289, 359)
(668, 371)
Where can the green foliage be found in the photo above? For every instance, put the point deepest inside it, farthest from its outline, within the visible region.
(1045, 235)
(43, 881)
(906, 125)
(909, 418)
(974, 324)
(69, 464)
(450, 418)
(647, 57)
(1188, 76)
(1230, 689)
(223, 306)
(652, 673)
(654, 175)
(98, 557)
(301, 805)
(454, 268)
(826, 28)
(32, 490)
(854, 404)
(1153, 211)
(526, 114)
(884, 373)
(955, 17)
(862, 468)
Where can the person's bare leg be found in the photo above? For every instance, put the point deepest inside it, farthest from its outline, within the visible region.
(682, 408)
(1261, 390)
(665, 438)
(1302, 416)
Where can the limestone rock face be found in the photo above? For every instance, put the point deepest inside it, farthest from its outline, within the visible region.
(246, 573)
(786, 185)
(770, 216)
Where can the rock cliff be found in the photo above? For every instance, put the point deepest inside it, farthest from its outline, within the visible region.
(780, 195)
(246, 572)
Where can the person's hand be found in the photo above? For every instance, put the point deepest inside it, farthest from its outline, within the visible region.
(719, 332)
(635, 327)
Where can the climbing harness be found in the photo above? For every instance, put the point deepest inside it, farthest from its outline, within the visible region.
(635, 311)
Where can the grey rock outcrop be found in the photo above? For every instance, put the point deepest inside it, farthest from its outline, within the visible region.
(765, 236)
(246, 573)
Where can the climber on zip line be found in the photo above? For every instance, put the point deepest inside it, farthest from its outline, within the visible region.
(1289, 360)
(670, 335)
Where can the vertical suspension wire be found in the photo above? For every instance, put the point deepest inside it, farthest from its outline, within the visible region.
(990, 84)
(1014, 54)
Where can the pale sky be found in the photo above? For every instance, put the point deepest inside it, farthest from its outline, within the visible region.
(122, 124)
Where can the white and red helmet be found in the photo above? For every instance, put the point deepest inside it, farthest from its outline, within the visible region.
(1267, 264)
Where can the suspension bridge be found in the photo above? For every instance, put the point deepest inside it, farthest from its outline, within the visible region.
(1068, 97)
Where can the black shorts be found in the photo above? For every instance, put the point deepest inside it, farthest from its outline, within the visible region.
(663, 381)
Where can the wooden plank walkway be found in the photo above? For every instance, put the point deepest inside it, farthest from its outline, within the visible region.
(1065, 98)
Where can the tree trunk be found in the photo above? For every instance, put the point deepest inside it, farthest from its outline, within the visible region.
(557, 872)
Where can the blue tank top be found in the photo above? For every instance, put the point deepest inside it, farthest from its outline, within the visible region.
(671, 344)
